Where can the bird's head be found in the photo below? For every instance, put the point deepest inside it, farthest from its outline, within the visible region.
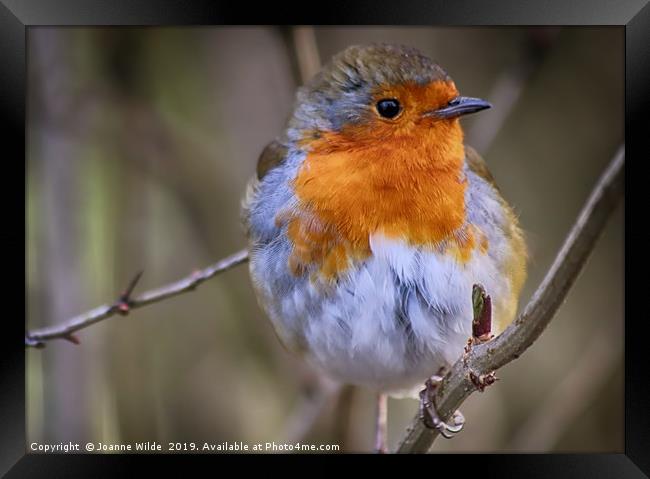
(381, 96)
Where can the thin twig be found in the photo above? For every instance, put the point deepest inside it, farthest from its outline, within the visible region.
(306, 51)
(343, 414)
(125, 303)
(485, 358)
(310, 408)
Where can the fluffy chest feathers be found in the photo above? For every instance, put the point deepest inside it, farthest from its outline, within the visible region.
(368, 307)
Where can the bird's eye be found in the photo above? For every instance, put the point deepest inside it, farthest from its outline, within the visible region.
(388, 108)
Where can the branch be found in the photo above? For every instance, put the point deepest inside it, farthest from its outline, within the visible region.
(126, 303)
(485, 358)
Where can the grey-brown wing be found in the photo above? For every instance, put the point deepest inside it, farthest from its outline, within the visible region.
(477, 164)
(272, 156)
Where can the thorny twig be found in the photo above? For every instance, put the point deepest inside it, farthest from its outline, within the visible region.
(126, 303)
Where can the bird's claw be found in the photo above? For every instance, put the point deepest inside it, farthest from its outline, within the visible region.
(429, 414)
(448, 431)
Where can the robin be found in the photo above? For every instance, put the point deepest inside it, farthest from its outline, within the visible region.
(369, 222)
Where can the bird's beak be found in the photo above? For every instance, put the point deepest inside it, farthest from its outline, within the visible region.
(461, 105)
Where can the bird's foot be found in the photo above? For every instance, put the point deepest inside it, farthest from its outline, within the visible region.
(381, 436)
(429, 414)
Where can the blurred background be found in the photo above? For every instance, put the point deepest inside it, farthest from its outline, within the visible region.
(140, 144)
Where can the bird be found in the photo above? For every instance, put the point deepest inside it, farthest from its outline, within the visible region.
(369, 221)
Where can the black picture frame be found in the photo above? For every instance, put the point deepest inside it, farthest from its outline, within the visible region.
(633, 15)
